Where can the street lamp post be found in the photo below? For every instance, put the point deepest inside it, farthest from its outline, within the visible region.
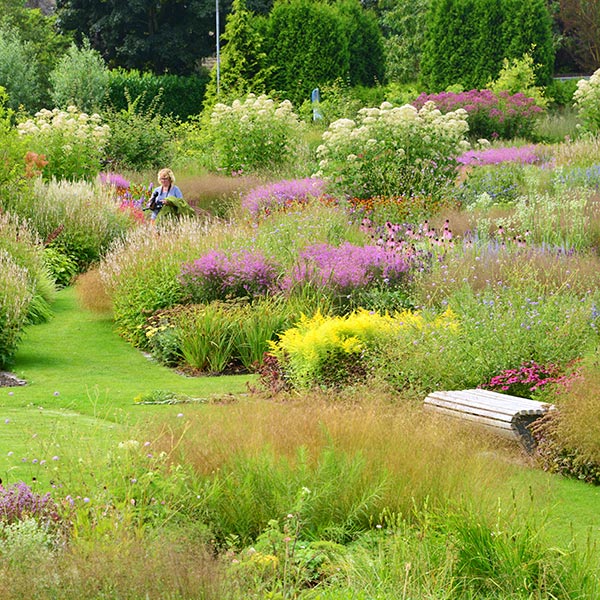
(218, 48)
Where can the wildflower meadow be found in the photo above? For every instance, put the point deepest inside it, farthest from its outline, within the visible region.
(229, 405)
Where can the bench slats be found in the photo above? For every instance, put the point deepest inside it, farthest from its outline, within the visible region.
(505, 415)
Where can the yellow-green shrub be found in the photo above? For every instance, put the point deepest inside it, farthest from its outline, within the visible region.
(327, 351)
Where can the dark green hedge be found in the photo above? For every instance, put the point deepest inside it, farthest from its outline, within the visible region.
(467, 41)
(181, 96)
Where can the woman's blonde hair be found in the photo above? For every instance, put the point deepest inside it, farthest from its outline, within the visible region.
(166, 173)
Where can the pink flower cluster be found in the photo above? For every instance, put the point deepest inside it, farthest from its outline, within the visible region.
(525, 155)
(346, 267)
(282, 195)
(216, 275)
(527, 379)
(490, 115)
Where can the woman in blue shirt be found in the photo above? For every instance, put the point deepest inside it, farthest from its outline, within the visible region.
(167, 199)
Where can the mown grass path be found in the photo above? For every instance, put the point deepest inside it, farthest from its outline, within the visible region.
(82, 378)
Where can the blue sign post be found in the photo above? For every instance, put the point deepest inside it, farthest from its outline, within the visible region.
(315, 98)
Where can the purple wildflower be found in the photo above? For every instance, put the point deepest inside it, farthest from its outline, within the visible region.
(493, 156)
(346, 267)
(264, 200)
(217, 276)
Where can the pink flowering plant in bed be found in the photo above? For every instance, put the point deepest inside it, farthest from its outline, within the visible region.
(218, 276)
(283, 195)
(346, 268)
(490, 115)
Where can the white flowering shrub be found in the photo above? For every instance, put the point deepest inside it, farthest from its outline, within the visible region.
(393, 151)
(586, 101)
(72, 142)
(254, 135)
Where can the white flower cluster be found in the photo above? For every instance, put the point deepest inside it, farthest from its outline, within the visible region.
(70, 123)
(586, 99)
(254, 107)
(390, 135)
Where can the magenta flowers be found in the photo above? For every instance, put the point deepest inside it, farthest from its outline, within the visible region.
(264, 200)
(525, 155)
(346, 267)
(217, 276)
(490, 115)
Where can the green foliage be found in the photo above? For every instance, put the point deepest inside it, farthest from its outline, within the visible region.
(177, 96)
(62, 267)
(518, 76)
(392, 151)
(165, 37)
(79, 220)
(15, 296)
(140, 136)
(496, 331)
(12, 148)
(80, 79)
(307, 45)
(403, 24)
(72, 142)
(254, 135)
(19, 71)
(242, 59)
(365, 43)
(468, 39)
(25, 248)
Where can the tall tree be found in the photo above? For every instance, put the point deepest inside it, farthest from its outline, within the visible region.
(581, 24)
(242, 64)
(160, 36)
(467, 41)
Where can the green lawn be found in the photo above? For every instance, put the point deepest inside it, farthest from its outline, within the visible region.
(82, 381)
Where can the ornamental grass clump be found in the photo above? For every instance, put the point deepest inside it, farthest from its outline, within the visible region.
(140, 272)
(25, 247)
(72, 142)
(490, 115)
(253, 135)
(284, 195)
(15, 298)
(391, 151)
(217, 275)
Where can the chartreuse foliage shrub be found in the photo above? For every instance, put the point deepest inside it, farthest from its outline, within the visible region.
(467, 41)
(332, 350)
(393, 151)
(253, 135)
(72, 142)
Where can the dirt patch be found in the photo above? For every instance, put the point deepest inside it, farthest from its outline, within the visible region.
(10, 380)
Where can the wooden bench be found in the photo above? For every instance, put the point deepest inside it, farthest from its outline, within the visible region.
(506, 415)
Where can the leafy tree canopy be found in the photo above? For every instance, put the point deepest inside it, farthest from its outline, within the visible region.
(168, 36)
